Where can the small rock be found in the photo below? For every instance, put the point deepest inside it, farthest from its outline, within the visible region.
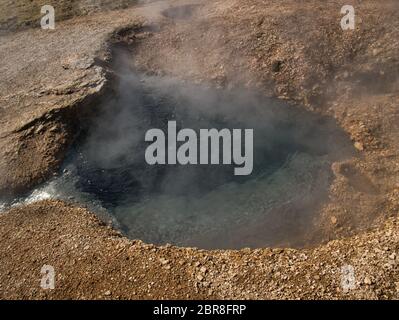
(200, 277)
(53, 128)
(276, 66)
(359, 146)
(334, 220)
(107, 293)
(203, 270)
(39, 128)
(367, 281)
(376, 52)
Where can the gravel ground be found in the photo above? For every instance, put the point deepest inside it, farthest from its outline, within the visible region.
(91, 261)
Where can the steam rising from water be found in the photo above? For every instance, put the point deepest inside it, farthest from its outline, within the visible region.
(203, 205)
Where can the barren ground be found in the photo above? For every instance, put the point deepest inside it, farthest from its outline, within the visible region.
(295, 51)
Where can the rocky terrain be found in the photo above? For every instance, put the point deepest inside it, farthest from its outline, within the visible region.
(298, 52)
(92, 261)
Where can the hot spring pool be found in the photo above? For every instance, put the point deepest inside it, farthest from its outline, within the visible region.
(205, 206)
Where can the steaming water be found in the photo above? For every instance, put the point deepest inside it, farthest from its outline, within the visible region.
(204, 205)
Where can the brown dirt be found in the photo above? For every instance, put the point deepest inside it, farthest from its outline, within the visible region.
(18, 14)
(92, 261)
(296, 52)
